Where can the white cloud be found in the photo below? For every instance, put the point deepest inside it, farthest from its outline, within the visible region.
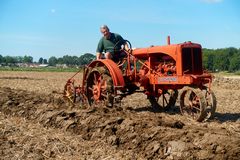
(53, 10)
(212, 1)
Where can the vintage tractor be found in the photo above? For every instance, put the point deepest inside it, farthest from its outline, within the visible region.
(164, 73)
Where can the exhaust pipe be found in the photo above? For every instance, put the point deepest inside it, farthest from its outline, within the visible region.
(168, 40)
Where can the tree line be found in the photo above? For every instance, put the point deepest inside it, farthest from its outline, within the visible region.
(16, 59)
(72, 60)
(225, 59)
(52, 61)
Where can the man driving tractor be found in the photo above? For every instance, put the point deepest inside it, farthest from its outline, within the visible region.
(111, 44)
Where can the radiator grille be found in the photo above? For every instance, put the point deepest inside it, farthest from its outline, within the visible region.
(192, 61)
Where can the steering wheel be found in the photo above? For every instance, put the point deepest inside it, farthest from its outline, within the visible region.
(122, 53)
(122, 42)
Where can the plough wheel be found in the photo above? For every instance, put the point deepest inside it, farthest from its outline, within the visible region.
(193, 103)
(70, 92)
(211, 103)
(99, 87)
(74, 94)
(165, 101)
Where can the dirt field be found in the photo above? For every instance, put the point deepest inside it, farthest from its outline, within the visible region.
(36, 123)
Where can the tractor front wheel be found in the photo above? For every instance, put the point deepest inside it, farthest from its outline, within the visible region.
(211, 103)
(193, 103)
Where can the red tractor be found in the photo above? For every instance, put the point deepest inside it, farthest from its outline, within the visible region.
(163, 73)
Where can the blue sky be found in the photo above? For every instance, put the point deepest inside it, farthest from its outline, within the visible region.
(58, 27)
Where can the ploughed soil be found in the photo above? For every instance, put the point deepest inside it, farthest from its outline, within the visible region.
(37, 123)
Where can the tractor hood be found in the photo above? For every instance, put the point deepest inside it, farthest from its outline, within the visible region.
(171, 50)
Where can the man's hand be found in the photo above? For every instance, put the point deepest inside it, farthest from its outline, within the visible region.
(98, 55)
(129, 50)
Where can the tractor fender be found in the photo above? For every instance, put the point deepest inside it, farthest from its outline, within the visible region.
(114, 71)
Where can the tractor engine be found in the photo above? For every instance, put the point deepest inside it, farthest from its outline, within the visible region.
(166, 69)
(162, 65)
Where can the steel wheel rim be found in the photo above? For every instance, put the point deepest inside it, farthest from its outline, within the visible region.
(190, 104)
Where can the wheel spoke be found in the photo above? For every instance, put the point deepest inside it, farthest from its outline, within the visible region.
(168, 93)
(191, 97)
(95, 78)
(90, 88)
(100, 79)
(104, 95)
(197, 108)
(103, 84)
(190, 103)
(165, 99)
(195, 97)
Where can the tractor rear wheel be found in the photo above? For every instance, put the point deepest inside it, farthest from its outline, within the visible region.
(99, 88)
(193, 103)
(165, 101)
